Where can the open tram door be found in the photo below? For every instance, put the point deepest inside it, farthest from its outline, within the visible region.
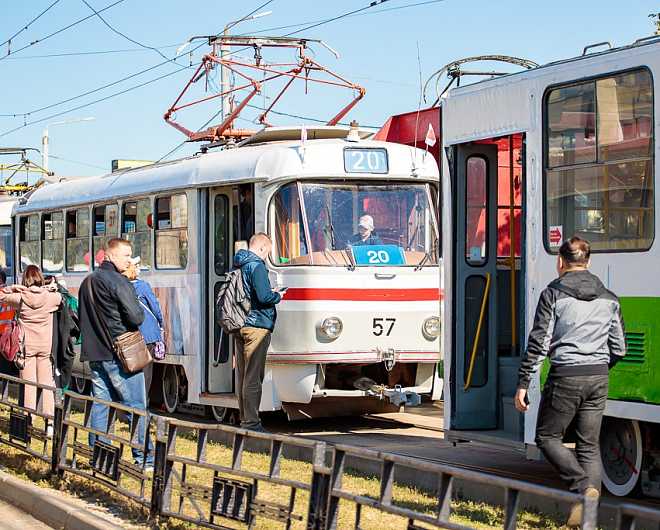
(230, 220)
(487, 191)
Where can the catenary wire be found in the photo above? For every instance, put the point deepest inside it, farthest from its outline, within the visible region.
(8, 41)
(99, 100)
(115, 30)
(57, 32)
(91, 52)
(77, 162)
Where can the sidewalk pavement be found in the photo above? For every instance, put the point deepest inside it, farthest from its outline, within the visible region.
(14, 519)
(48, 506)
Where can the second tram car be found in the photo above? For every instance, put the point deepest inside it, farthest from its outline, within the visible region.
(566, 148)
(359, 326)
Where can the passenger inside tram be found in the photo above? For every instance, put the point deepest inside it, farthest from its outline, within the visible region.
(365, 234)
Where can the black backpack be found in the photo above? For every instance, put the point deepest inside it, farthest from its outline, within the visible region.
(232, 304)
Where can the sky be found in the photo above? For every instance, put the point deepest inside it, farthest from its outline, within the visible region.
(383, 48)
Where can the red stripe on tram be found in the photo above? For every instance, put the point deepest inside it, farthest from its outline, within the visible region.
(363, 295)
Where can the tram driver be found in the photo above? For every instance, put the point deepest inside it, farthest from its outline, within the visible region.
(365, 235)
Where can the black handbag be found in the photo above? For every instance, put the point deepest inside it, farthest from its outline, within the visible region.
(130, 348)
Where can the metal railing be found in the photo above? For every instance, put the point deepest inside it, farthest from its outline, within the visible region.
(214, 475)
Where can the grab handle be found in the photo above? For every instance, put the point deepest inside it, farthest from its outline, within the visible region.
(475, 344)
(381, 276)
(604, 43)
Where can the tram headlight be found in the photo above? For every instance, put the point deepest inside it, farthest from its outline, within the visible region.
(332, 327)
(431, 328)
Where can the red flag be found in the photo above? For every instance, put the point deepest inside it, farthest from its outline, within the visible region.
(430, 137)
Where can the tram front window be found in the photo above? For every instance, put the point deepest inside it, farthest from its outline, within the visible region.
(323, 223)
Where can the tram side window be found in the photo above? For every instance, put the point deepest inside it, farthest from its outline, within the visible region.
(172, 232)
(599, 175)
(136, 228)
(52, 242)
(6, 249)
(290, 241)
(106, 223)
(28, 242)
(77, 240)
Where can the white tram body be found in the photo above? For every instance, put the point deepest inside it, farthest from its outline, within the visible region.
(574, 139)
(342, 318)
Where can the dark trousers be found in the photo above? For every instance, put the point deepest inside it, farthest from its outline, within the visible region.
(577, 400)
(251, 348)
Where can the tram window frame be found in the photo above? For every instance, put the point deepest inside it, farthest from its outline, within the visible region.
(146, 261)
(169, 230)
(73, 235)
(104, 237)
(29, 236)
(53, 243)
(600, 162)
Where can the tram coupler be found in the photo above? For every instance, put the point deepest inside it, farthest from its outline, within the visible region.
(399, 397)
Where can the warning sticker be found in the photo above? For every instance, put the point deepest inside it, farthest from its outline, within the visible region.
(555, 235)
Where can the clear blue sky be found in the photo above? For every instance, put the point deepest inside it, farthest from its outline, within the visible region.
(378, 50)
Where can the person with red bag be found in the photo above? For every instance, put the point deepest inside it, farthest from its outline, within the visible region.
(35, 305)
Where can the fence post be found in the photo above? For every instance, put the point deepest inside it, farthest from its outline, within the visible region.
(158, 482)
(317, 514)
(57, 439)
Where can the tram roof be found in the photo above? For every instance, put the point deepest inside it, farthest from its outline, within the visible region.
(508, 104)
(265, 162)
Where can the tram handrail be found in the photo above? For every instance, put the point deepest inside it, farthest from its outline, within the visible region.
(475, 344)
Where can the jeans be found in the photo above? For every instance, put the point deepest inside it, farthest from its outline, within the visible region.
(251, 348)
(577, 400)
(111, 383)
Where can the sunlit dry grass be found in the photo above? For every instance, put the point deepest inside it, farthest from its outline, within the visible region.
(477, 515)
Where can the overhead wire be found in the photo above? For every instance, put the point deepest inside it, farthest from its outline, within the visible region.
(92, 52)
(57, 32)
(24, 28)
(99, 100)
(108, 85)
(115, 30)
(76, 162)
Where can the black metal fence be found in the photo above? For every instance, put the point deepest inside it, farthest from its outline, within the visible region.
(216, 475)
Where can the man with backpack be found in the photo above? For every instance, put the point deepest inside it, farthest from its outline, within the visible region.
(253, 338)
(579, 327)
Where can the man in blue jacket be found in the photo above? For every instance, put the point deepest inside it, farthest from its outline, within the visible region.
(254, 338)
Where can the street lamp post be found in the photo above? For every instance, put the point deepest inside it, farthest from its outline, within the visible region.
(45, 138)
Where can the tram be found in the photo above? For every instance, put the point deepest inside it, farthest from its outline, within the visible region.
(561, 149)
(6, 236)
(358, 329)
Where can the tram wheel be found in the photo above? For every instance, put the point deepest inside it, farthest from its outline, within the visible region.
(219, 414)
(80, 385)
(621, 455)
(170, 388)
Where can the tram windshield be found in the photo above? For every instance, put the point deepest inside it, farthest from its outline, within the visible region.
(359, 224)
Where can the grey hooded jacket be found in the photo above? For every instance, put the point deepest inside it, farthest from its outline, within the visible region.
(578, 325)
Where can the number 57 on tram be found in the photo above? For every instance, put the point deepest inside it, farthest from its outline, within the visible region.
(358, 328)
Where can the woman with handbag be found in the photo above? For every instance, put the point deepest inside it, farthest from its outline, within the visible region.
(152, 326)
(35, 305)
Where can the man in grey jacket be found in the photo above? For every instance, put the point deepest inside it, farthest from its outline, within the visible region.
(578, 326)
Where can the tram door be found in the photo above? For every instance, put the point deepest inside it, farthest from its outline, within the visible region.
(220, 364)
(474, 381)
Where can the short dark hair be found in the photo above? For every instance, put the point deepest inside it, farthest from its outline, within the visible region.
(575, 252)
(3, 276)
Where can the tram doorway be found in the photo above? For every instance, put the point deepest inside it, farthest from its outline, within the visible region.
(230, 219)
(488, 324)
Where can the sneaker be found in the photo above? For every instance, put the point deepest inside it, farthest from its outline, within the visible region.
(148, 469)
(49, 431)
(575, 514)
(257, 428)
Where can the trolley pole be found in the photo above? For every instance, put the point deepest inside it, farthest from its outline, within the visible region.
(225, 83)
